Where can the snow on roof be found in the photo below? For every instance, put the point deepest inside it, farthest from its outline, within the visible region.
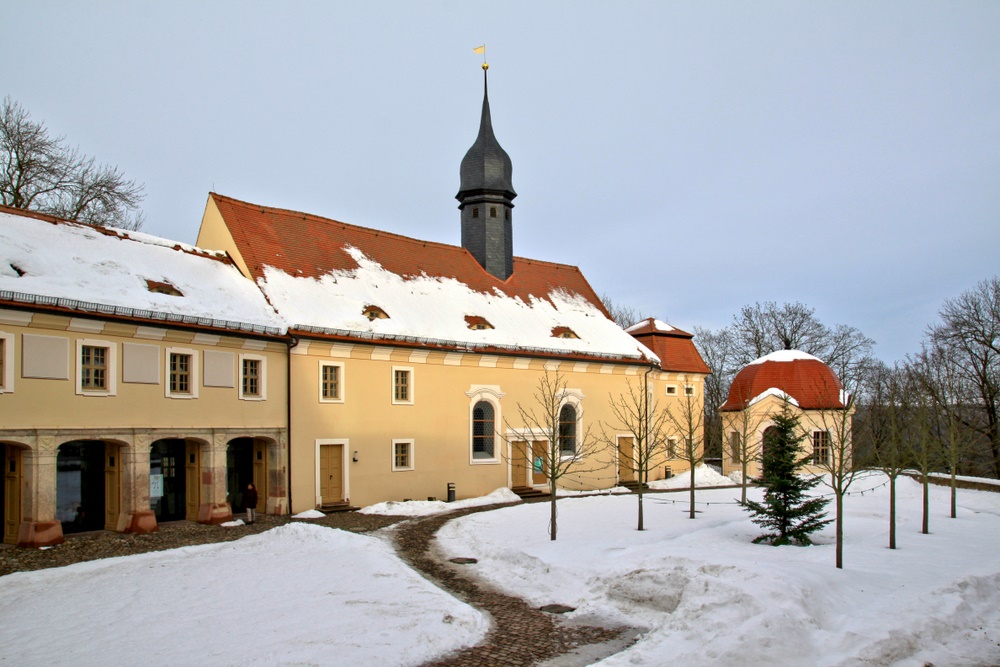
(73, 262)
(773, 391)
(657, 325)
(436, 308)
(784, 355)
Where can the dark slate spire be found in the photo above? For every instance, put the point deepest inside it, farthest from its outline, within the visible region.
(485, 198)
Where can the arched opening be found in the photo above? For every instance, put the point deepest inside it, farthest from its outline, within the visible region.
(88, 486)
(10, 495)
(483, 428)
(168, 479)
(567, 430)
(246, 462)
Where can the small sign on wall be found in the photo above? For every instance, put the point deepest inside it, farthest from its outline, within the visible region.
(156, 486)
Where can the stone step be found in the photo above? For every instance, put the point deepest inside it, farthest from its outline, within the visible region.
(526, 492)
(333, 508)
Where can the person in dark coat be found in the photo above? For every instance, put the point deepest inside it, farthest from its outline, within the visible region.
(250, 502)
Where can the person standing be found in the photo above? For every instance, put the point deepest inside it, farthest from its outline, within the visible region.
(250, 502)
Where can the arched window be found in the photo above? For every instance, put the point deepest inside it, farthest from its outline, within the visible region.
(567, 430)
(483, 428)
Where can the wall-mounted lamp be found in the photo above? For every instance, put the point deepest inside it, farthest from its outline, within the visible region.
(355, 459)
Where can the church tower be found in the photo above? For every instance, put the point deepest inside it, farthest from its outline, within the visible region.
(486, 198)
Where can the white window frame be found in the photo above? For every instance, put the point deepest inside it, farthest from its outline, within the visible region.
(346, 456)
(341, 377)
(112, 367)
(690, 390)
(261, 379)
(193, 393)
(490, 394)
(670, 390)
(411, 455)
(575, 398)
(672, 443)
(7, 381)
(411, 385)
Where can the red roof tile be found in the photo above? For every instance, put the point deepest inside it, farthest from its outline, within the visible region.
(675, 348)
(812, 384)
(308, 245)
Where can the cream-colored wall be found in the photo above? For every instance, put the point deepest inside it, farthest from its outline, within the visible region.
(438, 421)
(55, 404)
(214, 234)
(760, 418)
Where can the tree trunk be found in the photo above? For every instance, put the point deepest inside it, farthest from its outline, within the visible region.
(925, 526)
(640, 507)
(954, 495)
(691, 513)
(840, 529)
(892, 512)
(552, 510)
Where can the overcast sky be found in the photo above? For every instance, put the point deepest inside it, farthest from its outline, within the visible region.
(689, 157)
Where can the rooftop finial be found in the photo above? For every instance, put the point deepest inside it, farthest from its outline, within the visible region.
(482, 50)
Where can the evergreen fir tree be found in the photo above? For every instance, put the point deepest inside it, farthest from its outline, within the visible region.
(787, 513)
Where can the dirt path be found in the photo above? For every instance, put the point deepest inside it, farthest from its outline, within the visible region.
(521, 635)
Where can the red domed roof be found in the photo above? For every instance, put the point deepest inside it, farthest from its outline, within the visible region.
(807, 380)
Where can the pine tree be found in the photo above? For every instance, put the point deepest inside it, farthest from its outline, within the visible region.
(787, 513)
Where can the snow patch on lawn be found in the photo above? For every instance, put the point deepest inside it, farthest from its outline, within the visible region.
(297, 594)
(704, 476)
(429, 507)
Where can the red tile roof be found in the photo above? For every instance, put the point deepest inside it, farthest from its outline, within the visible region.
(307, 245)
(812, 383)
(674, 347)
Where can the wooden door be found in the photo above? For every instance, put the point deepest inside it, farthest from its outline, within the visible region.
(626, 459)
(260, 473)
(519, 464)
(539, 462)
(192, 480)
(331, 474)
(12, 494)
(112, 486)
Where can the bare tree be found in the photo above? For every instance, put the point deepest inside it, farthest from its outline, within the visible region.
(970, 332)
(566, 451)
(624, 316)
(886, 427)
(42, 173)
(767, 327)
(833, 454)
(716, 348)
(639, 413)
(743, 443)
(923, 449)
(688, 418)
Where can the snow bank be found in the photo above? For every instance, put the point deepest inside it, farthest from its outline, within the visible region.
(704, 476)
(595, 492)
(707, 596)
(297, 594)
(309, 514)
(428, 507)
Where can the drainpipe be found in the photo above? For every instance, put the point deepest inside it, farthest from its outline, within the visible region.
(293, 342)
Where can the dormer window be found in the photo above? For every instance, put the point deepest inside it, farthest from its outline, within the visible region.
(157, 287)
(563, 332)
(375, 313)
(477, 323)
(18, 270)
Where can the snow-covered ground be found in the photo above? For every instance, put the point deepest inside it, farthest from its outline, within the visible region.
(298, 594)
(304, 594)
(707, 596)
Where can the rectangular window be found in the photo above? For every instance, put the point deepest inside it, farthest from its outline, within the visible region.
(95, 364)
(182, 373)
(6, 362)
(672, 448)
(821, 447)
(402, 386)
(735, 447)
(671, 390)
(93, 368)
(402, 455)
(689, 390)
(331, 382)
(253, 377)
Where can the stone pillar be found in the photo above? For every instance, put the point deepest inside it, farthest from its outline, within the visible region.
(39, 527)
(214, 508)
(277, 475)
(136, 515)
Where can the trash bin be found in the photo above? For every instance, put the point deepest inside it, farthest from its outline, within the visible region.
(451, 492)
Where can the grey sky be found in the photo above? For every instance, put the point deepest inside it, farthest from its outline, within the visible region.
(689, 157)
